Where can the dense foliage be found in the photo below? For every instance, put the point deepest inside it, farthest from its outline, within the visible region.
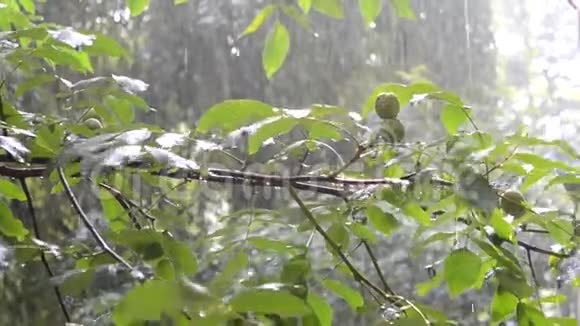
(341, 184)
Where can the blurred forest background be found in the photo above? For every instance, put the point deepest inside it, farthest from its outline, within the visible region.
(516, 62)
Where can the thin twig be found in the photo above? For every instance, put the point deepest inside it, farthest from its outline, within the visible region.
(86, 221)
(386, 286)
(530, 247)
(535, 278)
(358, 276)
(357, 155)
(37, 235)
(120, 197)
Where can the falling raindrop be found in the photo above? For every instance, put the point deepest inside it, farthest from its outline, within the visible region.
(235, 51)
(316, 35)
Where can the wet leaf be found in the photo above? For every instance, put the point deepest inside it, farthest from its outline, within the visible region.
(148, 301)
(332, 8)
(259, 20)
(322, 309)
(348, 294)
(381, 220)
(370, 10)
(452, 117)
(461, 271)
(403, 9)
(71, 37)
(269, 302)
(10, 225)
(230, 115)
(137, 7)
(130, 85)
(276, 49)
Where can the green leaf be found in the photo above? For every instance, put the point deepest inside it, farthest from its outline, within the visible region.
(332, 8)
(370, 10)
(381, 220)
(362, 232)
(296, 270)
(279, 246)
(28, 5)
(11, 190)
(403, 9)
(560, 230)
(275, 49)
(339, 234)
(148, 301)
(137, 7)
(562, 321)
(414, 210)
(180, 2)
(298, 16)
(269, 130)
(424, 288)
(513, 282)
(105, 45)
(121, 109)
(269, 302)
(181, 255)
(321, 129)
(503, 229)
(10, 225)
(75, 284)
(533, 177)
(233, 114)
(499, 256)
(542, 163)
(503, 304)
(348, 294)
(164, 269)
(305, 5)
(34, 82)
(528, 315)
(453, 117)
(259, 20)
(322, 309)
(233, 267)
(115, 214)
(65, 56)
(461, 271)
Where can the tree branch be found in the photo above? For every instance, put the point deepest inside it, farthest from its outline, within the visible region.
(36, 230)
(86, 221)
(358, 276)
(375, 262)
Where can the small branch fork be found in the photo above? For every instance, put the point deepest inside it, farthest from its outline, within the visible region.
(87, 222)
(386, 294)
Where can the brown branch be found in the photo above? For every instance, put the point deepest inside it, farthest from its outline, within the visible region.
(375, 262)
(43, 259)
(530, 247)
(358, 276)
(127, 204)
(86, 221)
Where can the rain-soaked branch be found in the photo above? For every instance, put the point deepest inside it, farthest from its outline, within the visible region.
(86, 221)
(43, 259)
(358, 276)
(375, 262)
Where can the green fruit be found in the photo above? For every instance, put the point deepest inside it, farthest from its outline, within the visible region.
(512, 203)
(387, 106)
(392, 130)
(93, 123)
